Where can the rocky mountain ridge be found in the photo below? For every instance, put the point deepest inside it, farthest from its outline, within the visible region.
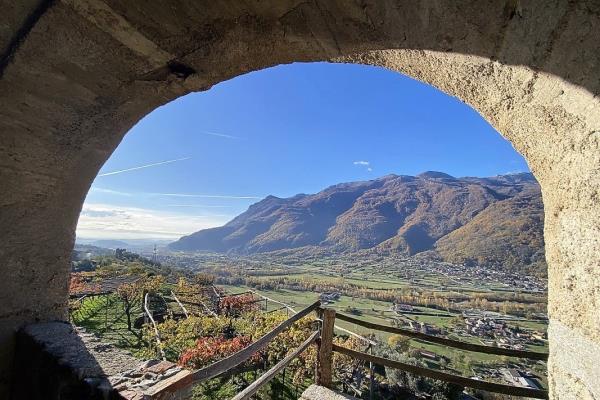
(495, 221)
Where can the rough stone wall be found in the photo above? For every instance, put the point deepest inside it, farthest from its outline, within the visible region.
(75, 75)
(56, 363)
(556, 126)
(61, 362)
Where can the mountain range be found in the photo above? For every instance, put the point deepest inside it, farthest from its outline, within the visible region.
(494, 221)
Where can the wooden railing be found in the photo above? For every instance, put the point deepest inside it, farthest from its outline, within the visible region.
(291, 309)
(326, 346)
(173, 388)
(270, 374)
(177, 386)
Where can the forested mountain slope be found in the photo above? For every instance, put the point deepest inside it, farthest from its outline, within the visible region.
(495, 221)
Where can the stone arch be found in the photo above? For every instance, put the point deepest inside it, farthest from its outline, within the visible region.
(75, 75)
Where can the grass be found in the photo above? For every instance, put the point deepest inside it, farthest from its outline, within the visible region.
(534, 325)
(104, 316)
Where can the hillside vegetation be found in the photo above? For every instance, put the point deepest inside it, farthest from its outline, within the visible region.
(496, 221)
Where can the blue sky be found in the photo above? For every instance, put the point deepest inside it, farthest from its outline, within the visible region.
(204, 158)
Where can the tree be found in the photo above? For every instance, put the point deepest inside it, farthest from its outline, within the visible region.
(203, 279)
(400, 343)
(132, 294)
(416, 384)
(179, 336)
(195, 293)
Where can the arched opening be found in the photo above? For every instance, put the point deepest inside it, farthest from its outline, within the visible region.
(269, 128)
(539, 94)
(376, 116)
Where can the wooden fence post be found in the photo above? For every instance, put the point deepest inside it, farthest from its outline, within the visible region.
(324, 367)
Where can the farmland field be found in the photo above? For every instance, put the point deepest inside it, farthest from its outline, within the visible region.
(379, 312)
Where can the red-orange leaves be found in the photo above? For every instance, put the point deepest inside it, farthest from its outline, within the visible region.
(79, 285)
(236, 305)
(210, 349)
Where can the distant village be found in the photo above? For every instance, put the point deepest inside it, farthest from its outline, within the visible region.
(477, 274)
(491, 331)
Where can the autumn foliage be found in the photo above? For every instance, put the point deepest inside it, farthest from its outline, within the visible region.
(210, 349)
(79, 285)
(236, 305)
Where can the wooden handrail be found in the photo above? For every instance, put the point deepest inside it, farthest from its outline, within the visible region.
(443, 376)
(236, 359)
(214, 289)
(270, 374)
(532, 355)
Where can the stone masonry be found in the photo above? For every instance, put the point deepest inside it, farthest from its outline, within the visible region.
(75, 75)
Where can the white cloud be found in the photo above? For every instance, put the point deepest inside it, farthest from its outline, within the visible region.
(144, 166)
(117, 222)
(365, 163)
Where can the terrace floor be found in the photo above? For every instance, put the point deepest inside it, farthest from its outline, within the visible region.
(60, 355)
(314, 392)
(59, 358)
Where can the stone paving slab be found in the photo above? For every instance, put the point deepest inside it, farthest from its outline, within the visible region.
(314, 392)
(101, 366)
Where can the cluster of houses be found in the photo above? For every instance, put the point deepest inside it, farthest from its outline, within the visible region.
(329, 297)
(511, 376)
(504, 335)
(520, 378)
(406, 269)
(419, 326)
(400, 308)
(477, 274)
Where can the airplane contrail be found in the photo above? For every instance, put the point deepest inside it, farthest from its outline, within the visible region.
(144, 166)
(206, 196)
(219, 134)
(196, 205)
